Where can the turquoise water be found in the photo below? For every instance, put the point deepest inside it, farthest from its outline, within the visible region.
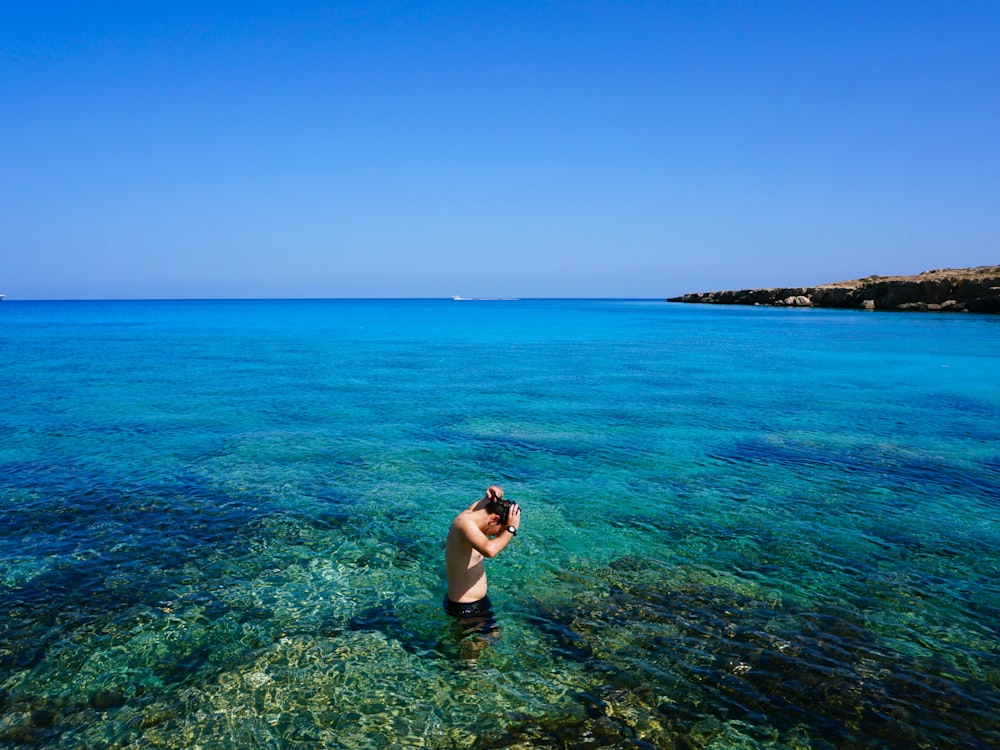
(222, 525)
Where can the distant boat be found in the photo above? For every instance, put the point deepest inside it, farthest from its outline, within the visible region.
(1, 298)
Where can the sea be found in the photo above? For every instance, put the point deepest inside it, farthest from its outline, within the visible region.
(222, 525)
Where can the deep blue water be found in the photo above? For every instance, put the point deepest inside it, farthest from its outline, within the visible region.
(222, 525)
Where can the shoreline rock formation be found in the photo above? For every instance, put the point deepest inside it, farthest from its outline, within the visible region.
(942, 290)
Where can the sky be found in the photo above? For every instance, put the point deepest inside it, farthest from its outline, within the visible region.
(527, 149)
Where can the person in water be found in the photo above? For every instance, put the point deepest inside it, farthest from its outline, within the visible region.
(482, 530)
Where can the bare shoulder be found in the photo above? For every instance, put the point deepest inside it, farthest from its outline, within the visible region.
(463, 521)
(477, 505)
(457, 523)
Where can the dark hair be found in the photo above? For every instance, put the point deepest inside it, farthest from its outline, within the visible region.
(499, 506)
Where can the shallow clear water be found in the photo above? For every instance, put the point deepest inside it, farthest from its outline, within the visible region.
(221, 525)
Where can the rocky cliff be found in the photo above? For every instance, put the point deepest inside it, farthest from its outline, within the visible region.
(947, 290)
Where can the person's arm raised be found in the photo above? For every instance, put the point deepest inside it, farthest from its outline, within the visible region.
(480, 542)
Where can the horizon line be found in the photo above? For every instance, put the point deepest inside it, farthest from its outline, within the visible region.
(7, 300)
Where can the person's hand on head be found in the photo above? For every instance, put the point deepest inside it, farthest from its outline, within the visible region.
(514, 517)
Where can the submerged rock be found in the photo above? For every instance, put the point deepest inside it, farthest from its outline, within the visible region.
(19, 736)
(42, 717)
(104, 699)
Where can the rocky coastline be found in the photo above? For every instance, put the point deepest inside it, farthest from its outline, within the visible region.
(943, 290)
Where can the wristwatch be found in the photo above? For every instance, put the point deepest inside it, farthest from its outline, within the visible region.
(512, 530)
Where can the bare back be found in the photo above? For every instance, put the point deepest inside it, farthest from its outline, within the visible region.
(464, 563)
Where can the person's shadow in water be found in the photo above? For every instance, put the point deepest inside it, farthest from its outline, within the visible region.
(464, 638)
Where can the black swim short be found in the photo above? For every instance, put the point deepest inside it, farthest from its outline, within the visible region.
(480, 608)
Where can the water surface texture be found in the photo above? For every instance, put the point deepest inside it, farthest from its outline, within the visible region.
(222, 524)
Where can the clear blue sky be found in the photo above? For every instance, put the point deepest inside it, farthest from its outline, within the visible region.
(424, 149)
